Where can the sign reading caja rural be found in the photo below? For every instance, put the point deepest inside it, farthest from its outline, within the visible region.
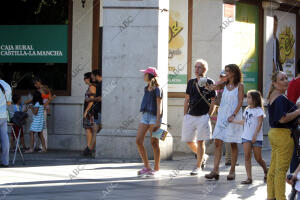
(33, 44)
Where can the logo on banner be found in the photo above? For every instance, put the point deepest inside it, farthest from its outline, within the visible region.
(286, 43)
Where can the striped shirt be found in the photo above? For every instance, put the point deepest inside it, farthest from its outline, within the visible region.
(38, 119)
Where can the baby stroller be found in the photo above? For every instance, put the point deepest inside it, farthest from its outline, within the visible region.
(18, 120)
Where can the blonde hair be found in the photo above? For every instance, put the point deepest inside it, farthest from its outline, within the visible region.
(273, 79)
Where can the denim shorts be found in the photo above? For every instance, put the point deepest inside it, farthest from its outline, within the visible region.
(98, 121)
(256, 144)
(148, 118)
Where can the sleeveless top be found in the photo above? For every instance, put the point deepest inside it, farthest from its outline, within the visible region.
(87, 95)
(225, 131)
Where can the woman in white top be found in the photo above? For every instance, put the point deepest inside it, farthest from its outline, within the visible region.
(230, 109)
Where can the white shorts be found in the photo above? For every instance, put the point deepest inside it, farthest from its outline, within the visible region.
(196, 126)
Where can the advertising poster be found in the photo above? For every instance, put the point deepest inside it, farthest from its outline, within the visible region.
(280, 46)
(285, 44)
(178, 41)
(240, 43)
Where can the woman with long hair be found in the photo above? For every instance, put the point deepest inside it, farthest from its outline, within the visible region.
(88, 115)
(282, 117)
(151, 121)
(229, 110)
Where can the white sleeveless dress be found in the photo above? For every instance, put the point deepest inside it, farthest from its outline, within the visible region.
(225, 131)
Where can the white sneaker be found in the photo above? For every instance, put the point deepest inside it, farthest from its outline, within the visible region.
(153, 173)
(195, 171)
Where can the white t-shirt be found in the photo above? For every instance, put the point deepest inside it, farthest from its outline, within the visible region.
(251, 120)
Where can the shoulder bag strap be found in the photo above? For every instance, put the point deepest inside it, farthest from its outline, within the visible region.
(203, 97)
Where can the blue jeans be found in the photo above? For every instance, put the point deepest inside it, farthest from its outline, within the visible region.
(4, 141)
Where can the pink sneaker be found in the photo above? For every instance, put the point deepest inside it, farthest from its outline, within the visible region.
(143, 171)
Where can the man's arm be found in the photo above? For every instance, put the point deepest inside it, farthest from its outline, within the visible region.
(96, 99)
(186, 104)
(212, 106)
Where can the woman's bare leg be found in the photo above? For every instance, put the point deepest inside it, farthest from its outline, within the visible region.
(259, 159)
(234, 157)
(248, 150)
(156, 149)
(141, 133)
(41, 136)
(89, 136)
(217, 155)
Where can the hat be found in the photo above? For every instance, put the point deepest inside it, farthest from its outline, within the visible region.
(223, 73)
(150, 70)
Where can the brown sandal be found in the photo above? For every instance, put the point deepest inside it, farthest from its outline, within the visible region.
(247, 182)
(231, 177)
(212, 175)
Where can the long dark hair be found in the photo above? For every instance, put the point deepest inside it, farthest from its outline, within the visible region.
(37, 97)
(153, 81)
(237, 73)
(256, 98)
(87, 75)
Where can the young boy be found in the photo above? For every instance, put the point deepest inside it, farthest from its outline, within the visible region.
(18, 106)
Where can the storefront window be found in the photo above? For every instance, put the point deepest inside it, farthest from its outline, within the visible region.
(34, 43)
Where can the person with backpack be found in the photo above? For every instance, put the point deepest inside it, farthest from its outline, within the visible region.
(5, 100)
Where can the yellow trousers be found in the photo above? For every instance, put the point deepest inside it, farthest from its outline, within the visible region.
(282, 145)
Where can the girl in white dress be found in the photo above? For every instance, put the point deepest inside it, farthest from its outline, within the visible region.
(229, 110)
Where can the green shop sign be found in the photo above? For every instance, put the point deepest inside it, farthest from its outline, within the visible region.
(33, 44)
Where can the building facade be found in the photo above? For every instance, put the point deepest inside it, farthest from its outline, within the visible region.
(121, 37)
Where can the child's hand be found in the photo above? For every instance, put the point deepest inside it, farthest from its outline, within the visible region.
(292, 180)
(231, 118)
